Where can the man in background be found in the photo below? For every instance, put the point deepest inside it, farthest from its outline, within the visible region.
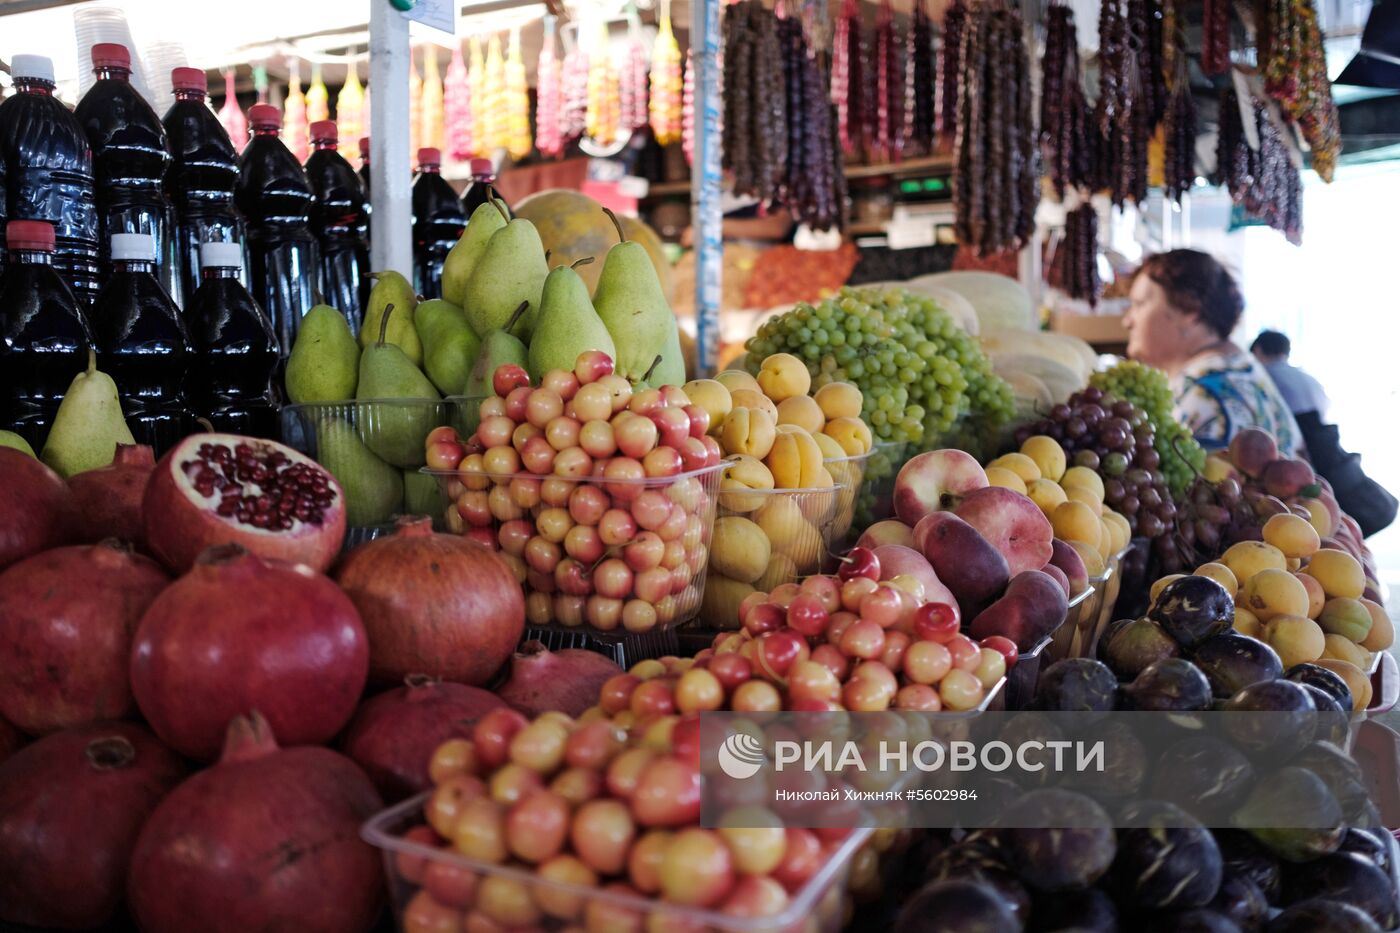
(1301, 391)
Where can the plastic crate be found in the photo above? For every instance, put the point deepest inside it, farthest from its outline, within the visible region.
(818, 907)
(529, 517)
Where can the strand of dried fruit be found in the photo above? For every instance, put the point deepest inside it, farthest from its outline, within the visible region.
(1179, 156)
(920, 68)
(664, 105)
(632, 87)
(1060, 44)
(517, 102)
(1077, 263)
(969, 177)
(1027, 190)
(857, 73)
(738, 103)
(954, 21)
(573, 117)
(1215, 37)
(841, 72)
(548, 96)
(998, 122)
(770, 92)
(794, 50)
(1293, 62)
(687, 111)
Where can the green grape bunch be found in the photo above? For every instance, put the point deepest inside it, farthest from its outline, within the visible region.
(1147, 388)
(919, 371)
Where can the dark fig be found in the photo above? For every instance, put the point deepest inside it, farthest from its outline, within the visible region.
(1322, 916)
(956, 907)
(1232, 661)
(1293, 794)
(1323, 679)
(1136, 646)
(1166, 859)
(1193, 608)
(1281, 718)
(1206, 775)
(1240, 899)
(1245, 856)
(1348, 878)
(1076, 685)
(1370, 844)
(1087, 911)
(1172, 685)
(1196, 920)
(981, 865)
(1333, 722)
(1057, 840)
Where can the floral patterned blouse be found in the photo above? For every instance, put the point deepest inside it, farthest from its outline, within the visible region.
(1221, 392)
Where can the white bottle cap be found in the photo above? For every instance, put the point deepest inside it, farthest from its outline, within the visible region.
(138, 247)
(220, 256)
(32, 66)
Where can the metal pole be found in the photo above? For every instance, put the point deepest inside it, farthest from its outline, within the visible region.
(706, 218)
(391, 235)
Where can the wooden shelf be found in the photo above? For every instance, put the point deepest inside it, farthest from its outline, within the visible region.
(939, 162)
(661, 188)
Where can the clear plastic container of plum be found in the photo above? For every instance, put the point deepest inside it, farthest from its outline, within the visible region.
(427, 882)
(613, 553)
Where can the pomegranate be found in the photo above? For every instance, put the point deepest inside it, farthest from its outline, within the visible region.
(67, 617)
(39, 509)
(267, 839)
(71, 806)
(238, 634)
(224, 489)
(434, 604)
(568, 680)
(394, 735)
(109, 498)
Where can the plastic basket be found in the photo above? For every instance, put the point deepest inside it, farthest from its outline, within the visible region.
(532, 520)
(874, 499)
(819, 906)
(368, 446)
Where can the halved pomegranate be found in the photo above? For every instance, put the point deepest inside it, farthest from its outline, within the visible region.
(224, 489)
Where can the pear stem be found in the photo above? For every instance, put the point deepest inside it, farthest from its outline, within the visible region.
(497, 206)
(206, 424)
(654, 363)
(384, 324)
(621, 237)
(581, 262)
(516, 316)
(547, 254)
(92, 361)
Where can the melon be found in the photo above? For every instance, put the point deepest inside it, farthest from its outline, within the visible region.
(1000, 302)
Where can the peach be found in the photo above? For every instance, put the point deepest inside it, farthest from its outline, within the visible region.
(1246, 558)
(1011, 523)
(1251, 450)
(839, 400)
(1082, 476)
(735, 379)
(1346, 617)
(1019, 464)
(1001, 476)
(1285, 478)
(1067, 559)
(802, 411)
(934, 481)
(712, 396)
(1048, 455)
(1075, 521)
(744, 473)
(852, 434)
(1271, 593)
(899, 561)
(1294, 536)
(1316, 597)
(972, 569)
(782, 376)
(1046, 494)
(889, 531)
(1222, 575)
(1382, 633)
(1033, 606)
(748, 431)
(1339, 573)
(1058, 575)
(748, 398)
(739, 549)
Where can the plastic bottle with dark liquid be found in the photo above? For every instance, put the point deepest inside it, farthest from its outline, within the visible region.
(438, 222)
(483, 177)
(47, 164)
(130, 155)
(275, 198)
(144, 345)
(44, 332)
(235, 347)
(202, 176)
(337, 220)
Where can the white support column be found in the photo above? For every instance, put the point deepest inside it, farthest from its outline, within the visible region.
(391, 237)
(705, 215)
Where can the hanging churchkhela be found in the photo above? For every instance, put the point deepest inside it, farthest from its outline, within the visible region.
(994, 172)
(920, 84)
(1067, 144)
(814, 186)
(1294, 65)
(1076, 261)
(1179, 131)
(1265, 182)
(950, 66)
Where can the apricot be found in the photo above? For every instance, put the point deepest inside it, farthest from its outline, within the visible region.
(1291, 534)
(1020, 464)
(1075, 521)
(744, 473)
(839, 400)
(1346, 617)
(735, 379)
(1220, 574)
(852, 434)
(782, 522)
(711, 395)
(739, 549)
(1085, 495)
(748, 398)
(796, 461)
(748, 431)
(1123, 532)
(1001, 476)
(802, 411)
(783, 376)
(1161, 584)
(1297, 640)
(719, 607)
(1339, 573)
(1340, 648)
(781, 569)
(1247, 624)
(1382, 634)
(1082, 476)
(1357, 681)
(1046, 494)
(1048, 455)
(1316, 598)
(1247, 558)
(1271, 593)
(830, 451)
(1318, 516)
(1094, 564)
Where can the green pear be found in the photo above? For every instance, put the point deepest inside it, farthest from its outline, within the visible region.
(511, 269)
(397, 426)
(464, 255)
(449, 344)
(88, 426)
(567, 325)
(373, 489)
(499, 348)
(421, 494)
(325, 361)
(13, 440)
(633, 308)
(391, 288)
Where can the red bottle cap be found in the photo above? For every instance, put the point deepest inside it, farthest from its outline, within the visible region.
(364, 147)
(429, 156)
(189, 79)
(110, 55)
(29, 234)
(324, 129)
(483, 167)
(261, 116)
